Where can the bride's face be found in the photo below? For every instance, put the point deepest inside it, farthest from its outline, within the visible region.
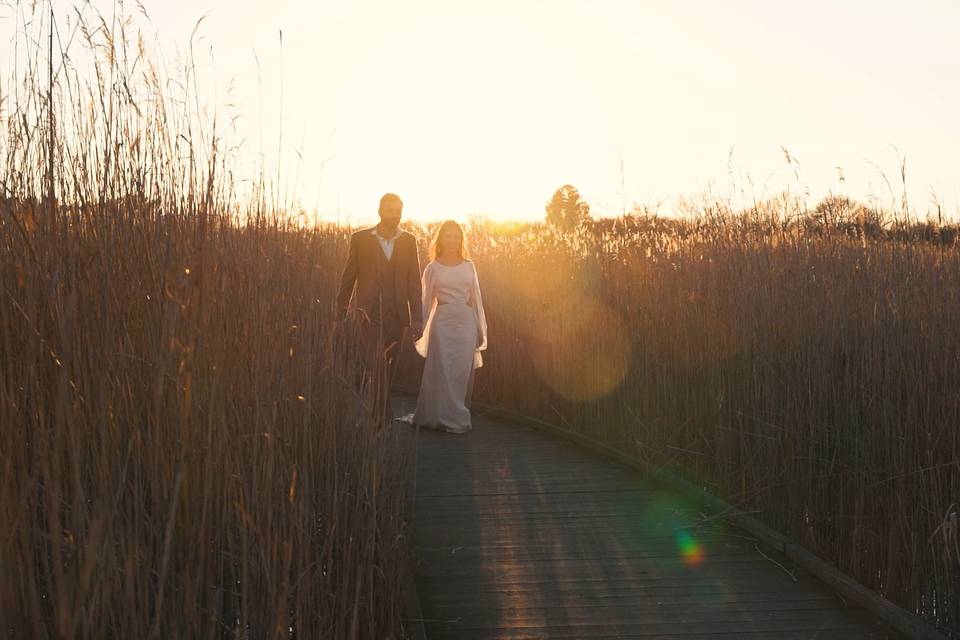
(450, 242)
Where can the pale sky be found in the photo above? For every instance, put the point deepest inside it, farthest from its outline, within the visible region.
(487, 107)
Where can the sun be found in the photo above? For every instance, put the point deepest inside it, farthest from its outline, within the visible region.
(468, 115)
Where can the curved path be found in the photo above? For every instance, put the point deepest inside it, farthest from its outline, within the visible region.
(519, 535)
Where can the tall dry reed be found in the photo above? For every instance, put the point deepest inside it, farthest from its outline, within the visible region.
(809, 373)
(183, 452)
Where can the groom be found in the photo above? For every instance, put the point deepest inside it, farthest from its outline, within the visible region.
(382, 275)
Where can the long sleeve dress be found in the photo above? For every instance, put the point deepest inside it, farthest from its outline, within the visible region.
(454, 335)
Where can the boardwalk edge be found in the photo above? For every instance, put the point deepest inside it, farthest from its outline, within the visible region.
(412, 619)
(898, 617)
(413, 628)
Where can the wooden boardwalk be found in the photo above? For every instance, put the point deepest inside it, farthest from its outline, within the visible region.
(519, 535)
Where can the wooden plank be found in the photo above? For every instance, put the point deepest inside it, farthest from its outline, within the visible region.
(673, 627)
(464, 573)
(632, 616)
(819, 634)
(628, 610)
(611, 633)
(412, 622)
(673, 590)
(428, 537)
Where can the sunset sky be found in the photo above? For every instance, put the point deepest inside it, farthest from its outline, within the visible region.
(487, 107)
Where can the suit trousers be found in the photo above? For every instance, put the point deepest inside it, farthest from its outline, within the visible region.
(381, 346)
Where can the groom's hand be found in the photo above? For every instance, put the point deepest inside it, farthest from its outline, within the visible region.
(416, 328)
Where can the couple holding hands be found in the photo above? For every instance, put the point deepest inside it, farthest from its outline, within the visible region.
(382, 285)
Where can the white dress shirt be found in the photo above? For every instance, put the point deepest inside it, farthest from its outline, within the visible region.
(387, 243)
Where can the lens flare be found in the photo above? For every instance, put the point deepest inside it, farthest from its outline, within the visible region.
(587, 356)
(691, 551)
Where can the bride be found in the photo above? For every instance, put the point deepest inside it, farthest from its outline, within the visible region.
(454, 335)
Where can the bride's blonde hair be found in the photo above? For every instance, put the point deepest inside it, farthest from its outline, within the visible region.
(435, 245)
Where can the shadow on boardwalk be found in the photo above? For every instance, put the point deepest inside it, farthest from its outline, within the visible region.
(517, 535)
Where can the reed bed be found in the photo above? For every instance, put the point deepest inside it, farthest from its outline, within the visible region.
(183, 449)
(184, 455)
(802, 370)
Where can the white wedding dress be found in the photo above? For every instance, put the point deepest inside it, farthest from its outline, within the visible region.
(454, 335)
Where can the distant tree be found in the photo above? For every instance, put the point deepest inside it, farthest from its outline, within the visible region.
(566, 210)
(840, 212)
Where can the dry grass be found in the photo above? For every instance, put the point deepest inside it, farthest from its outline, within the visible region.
(183, 455)
(183, 452)
(807, 372)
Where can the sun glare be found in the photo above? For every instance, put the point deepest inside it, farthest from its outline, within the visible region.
(471, 113)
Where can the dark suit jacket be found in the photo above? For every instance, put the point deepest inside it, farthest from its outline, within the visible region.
(362, 273)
